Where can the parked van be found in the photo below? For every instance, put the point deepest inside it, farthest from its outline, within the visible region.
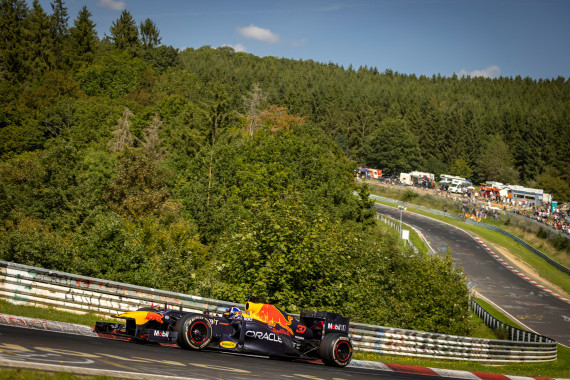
(457, 187)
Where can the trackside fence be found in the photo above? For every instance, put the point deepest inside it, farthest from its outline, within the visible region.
(22, 284)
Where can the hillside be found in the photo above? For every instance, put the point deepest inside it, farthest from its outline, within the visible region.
(222, 174)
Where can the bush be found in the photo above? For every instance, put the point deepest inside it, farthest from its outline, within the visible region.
(560, 242)
(409, 195)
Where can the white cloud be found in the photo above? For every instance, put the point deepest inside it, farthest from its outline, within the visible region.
(117, 5)
(490, 72)
(300, 42)
(259, 34)
(331, 8)
(237, 47)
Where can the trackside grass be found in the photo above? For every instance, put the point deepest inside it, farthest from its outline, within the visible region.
(88, 319)
(414, 237)
(557, 369)
(25, 374)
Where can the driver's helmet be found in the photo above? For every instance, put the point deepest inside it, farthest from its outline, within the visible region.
(234, 312)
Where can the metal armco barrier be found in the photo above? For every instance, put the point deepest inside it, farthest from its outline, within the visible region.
(43, 287)
(37, 286)
(385, 340)
(514, 333)
(395, 225)
(484, 225)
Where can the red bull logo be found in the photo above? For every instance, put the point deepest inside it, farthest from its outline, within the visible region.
(269, 314)
(141, 317)
(150, 316)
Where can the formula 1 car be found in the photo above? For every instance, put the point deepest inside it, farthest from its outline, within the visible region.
(260, 329)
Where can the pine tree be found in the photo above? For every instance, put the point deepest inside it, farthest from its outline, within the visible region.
(150, 35)
(83, 36)
(59, 32)
(40, 54)
(13, 25)
(124, 33)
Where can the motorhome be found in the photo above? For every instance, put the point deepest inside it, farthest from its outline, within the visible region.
(416, 178)
(376, 173)
(458, 187)
(370, 173)
(406, 179)
(452, 183)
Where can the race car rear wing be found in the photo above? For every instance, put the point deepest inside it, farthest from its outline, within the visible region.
(330, 322)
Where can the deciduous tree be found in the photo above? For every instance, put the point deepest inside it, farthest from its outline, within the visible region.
(392, 147)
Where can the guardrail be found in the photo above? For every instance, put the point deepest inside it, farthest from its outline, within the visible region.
(484, 225)
(42, 287)
(395, 225)
(69, 292)
(385, 340)
(514, 333)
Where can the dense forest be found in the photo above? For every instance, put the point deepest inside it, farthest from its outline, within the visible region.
(223, 174)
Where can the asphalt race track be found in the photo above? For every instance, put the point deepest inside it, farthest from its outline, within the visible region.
(540, 311)
(90, 355)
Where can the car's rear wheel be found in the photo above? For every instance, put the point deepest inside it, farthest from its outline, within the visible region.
(335, 350)
(194, 332)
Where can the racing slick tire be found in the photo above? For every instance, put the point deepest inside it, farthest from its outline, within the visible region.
(335, 350)
(194, 332)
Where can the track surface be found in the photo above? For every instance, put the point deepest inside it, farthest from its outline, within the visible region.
(36, 348)
(531, 306)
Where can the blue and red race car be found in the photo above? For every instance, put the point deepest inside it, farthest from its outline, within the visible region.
(259, 329)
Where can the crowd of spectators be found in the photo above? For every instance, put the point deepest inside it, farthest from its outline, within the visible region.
(483, 206)
(480, 206)
(557, 219)
(553, 217)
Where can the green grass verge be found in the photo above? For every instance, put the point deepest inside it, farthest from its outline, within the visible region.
(88, 319)
(414, 237)
(497, 314)
(556, 369)
(25, 374)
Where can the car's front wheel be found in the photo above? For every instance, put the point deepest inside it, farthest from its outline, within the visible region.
(194, 332)
(335, 350)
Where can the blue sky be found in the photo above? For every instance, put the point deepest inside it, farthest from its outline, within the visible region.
(469, 37)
